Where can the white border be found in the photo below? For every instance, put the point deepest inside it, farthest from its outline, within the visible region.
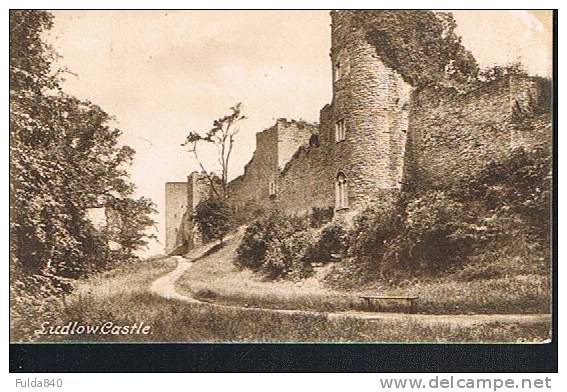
(257, 382)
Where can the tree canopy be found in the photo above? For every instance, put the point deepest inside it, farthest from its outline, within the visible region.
(221, 135)
(65, 158)
(213, 216)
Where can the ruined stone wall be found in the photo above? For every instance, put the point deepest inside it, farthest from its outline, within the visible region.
(175, 206)
(252, 188)
(274, 148)
(291, 135)
(181, 199)
(198, 188)
(307, 181)
(451, 135)
(373, 100)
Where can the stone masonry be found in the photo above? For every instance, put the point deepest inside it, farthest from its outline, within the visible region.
(393, 135)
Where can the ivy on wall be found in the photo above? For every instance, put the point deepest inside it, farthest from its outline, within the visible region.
(421, 45)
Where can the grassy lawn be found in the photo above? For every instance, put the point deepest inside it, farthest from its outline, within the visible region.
(176, 321)
(512, 288)
(122, 297)
(216, 278)
(104, 289)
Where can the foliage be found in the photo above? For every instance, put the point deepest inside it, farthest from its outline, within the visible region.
(320, 216)
(421, 45)
(438, 231)
(222, 135)
(132, 220)
(258, 236)
(333, 240)
(499, 71)
(213, 216)
(35, 299)
(290, 256)
(65, 159)
(509, 199)
(430, 232)
(373, 229)
(30, 57)
(517, 186)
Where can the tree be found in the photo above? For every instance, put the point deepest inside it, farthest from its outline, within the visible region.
(222, 136)
(131, 220)
(213, 216)
(65, 158)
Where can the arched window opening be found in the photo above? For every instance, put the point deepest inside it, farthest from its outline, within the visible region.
(341, 192)
(340, 130)
(272, 188)
(338, 70)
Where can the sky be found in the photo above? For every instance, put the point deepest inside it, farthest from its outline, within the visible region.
(163, 73)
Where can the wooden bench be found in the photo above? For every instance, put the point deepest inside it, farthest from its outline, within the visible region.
(369, 298)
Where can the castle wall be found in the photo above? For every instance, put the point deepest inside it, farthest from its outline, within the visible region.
(452, 136)
(373, 100)
(275, 146)
(432, 138)
(198, 188)
(175, 206)
(252, 188)
(291, 135)
(307, 181)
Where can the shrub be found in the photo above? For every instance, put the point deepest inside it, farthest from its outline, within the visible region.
(478, 271)
(213, 216)
(290, 256)
(252, 250)
(437, 231)
(321, 216)
(517, 185)
(34, 300)
(333, 240)
(260, 233)
(432, 232)
(373, 229)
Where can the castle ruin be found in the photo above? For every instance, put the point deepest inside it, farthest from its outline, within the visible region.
(376, 134)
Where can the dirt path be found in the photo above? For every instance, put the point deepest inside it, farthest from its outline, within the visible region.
(165, 287)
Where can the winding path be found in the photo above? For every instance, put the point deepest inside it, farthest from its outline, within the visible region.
(165, 287)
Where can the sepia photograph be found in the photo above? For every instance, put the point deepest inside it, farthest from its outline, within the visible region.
(281, 176)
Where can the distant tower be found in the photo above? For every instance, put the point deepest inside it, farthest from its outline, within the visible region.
(369, 117)
(175, 206)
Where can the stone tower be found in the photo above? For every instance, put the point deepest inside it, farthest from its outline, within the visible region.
(369, 114)
(175, 206)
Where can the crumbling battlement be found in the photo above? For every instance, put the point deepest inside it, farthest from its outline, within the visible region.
(275, 147)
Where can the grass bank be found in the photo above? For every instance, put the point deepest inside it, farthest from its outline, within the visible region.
(176, 321)
(104, 289)
(505, 286)
(122, 298)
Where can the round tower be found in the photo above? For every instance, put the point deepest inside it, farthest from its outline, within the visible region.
(369, 116)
